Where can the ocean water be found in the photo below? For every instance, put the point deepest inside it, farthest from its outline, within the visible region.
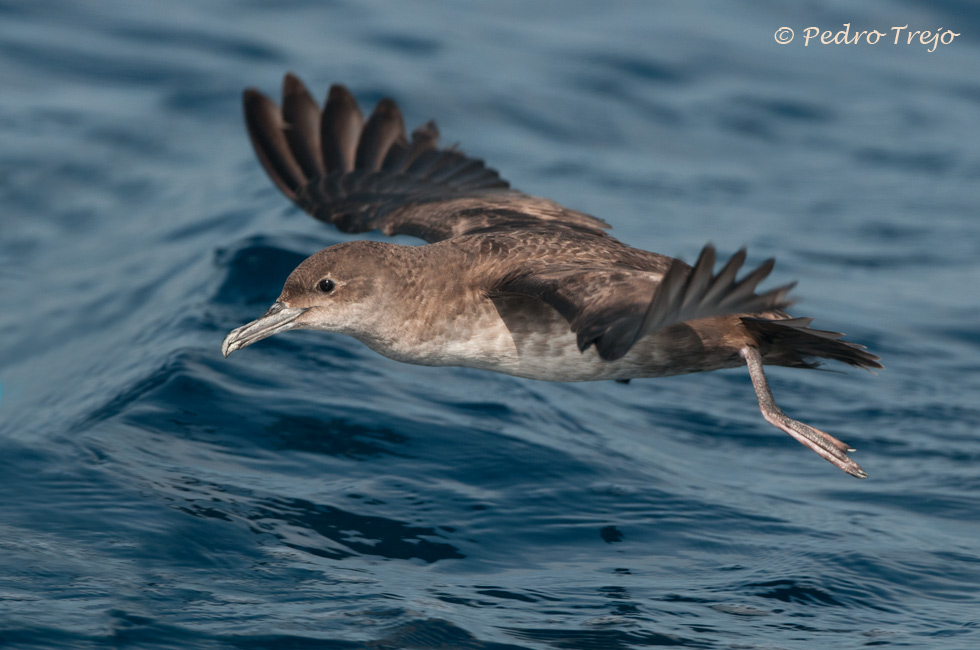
(307, 493)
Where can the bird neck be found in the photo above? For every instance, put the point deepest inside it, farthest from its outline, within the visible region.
(423, 305)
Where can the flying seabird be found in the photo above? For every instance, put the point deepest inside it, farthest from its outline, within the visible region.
(508, 282)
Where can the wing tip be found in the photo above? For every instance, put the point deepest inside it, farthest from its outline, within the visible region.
(690, 293)
(251, 96)
(264, 123)
(339, 94)
(291, 83)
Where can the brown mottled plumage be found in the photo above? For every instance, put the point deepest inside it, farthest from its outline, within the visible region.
(509, 282)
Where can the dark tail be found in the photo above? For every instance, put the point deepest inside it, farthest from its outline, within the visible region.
(791, 342)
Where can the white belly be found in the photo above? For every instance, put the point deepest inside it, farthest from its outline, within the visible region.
(530, 340)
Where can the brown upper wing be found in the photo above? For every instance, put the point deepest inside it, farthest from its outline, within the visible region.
(612, 306)
(365, 175)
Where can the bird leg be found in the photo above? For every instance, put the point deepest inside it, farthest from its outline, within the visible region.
(824, 444)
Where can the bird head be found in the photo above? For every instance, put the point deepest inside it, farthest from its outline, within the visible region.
(335, 290)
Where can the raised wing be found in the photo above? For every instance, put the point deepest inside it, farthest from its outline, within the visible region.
(368, 175)
(614, 308)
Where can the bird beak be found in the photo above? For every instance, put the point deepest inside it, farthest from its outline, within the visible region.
(279, 318)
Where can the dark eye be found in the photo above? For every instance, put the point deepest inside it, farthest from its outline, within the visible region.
(325, 285)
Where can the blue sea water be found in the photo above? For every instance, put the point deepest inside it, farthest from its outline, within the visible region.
(307, 493)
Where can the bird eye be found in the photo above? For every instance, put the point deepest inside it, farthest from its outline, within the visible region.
(326, 285)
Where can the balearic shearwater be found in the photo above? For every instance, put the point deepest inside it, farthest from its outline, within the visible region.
(508, 282)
